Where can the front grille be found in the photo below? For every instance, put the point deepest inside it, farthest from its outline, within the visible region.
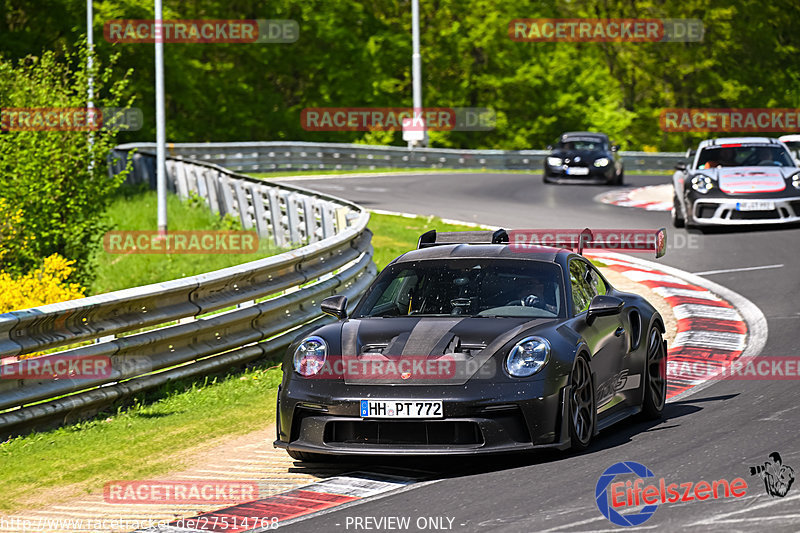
(377, 432)
(795, 207)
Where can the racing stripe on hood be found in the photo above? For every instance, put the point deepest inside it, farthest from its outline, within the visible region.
(427, 334)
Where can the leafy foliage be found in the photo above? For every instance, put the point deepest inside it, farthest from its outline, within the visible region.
(355, 53)
(57, 180)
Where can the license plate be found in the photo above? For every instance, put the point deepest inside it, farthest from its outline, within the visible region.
(755, 205)
(402, 409)
(577, 171)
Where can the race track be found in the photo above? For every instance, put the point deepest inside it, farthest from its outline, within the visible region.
(716, 433)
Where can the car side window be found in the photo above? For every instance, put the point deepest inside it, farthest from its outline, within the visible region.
(596, 282)
(586, 284)
(581, 289)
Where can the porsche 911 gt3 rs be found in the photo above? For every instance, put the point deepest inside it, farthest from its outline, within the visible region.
(469, 345)
(737, 181)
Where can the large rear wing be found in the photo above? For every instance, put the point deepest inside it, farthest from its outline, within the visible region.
(527, 240)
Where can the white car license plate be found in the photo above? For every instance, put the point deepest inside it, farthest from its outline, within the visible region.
(577, 171)
(402, 409)
(755, 205)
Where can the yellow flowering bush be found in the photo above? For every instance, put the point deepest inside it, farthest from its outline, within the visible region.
(44, 285)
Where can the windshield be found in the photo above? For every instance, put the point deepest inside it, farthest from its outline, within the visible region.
(472, 287)
(754, 155)
(582, 144)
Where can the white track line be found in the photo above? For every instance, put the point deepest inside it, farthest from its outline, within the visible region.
(744, 269)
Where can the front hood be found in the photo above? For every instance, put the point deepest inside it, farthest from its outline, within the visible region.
(460, 345)
(750, 180)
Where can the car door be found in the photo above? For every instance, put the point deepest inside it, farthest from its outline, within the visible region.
(605, 337)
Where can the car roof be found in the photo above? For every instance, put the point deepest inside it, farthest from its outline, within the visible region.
(567, 135)
(484, 251)
(737, 140)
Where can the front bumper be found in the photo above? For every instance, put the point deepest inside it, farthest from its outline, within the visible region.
(596, 174)
(723, 211)
(519, 416)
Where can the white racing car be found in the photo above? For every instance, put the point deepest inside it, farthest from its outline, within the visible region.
(735, 181)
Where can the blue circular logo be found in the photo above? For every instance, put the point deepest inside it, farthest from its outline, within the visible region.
(604, 500)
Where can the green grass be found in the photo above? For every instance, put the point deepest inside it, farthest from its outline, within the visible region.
(143, 441)
(394, 234)
(135, 209)
(147, 439)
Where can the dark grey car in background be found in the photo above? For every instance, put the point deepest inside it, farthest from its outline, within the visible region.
(584, 157)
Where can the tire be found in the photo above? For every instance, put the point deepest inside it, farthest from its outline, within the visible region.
(582, 405)
(621, 178)
(545, 180)
(677, 219)
(654, 395)
(307, 457)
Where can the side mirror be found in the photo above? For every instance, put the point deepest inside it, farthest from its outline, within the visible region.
(615, 148)
(336, 306)
(680, 166)
(549, 146)
(603, 305)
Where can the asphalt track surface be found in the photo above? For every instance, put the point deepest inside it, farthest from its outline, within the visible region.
(716, 433)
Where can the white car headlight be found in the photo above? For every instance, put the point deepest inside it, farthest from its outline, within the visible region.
(602, 162)
(528, 357)
(554, 161)
(309, 357)
(796, 181)
(702, 184)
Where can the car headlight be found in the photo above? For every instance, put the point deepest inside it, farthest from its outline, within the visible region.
(796, 181)
(702, 184)
(601, 162)
(554, 161)
(528, 357)
(309, 357)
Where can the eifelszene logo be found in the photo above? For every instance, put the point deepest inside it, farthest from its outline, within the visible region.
(613, 496)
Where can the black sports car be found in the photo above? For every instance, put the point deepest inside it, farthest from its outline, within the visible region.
(583, 156)
(737, 181)
(469, 345)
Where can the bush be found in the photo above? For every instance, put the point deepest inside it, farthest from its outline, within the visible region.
(57, 180)
(41, 286)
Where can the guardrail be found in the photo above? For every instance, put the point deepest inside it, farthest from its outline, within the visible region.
(196, 325)
(275, 156)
